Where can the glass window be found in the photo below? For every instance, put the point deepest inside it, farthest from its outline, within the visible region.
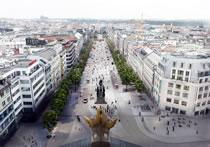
(199, 96)
(177, 93)
(168, 99)
(167, 108)
(190, 66)
(204, 103)
(205, 95)
(201, 89)
(8, 99)
(170, 85)
(180, 72)
(176, 101)
(198, 104)
(26, 96)
(184, 103)
(206, 79)
(201, 80)
(173, 77)
(208, 101)
(186, 88)
(174, 71)
(178, 86)
(187, 73)
(27, 103)
(3, 103)
(206, 87)
(180, 78)
(24, 81)
(185, 95)
(182, 65)
(174, 64)
(170, 92)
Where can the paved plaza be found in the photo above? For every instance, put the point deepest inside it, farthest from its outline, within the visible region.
(151, 131)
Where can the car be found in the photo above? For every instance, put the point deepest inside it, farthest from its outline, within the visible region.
(85, 100)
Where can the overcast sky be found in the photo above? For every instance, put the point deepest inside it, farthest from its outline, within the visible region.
(108, 9)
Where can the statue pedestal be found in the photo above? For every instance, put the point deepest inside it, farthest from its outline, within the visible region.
(100, 137)
(100, 101)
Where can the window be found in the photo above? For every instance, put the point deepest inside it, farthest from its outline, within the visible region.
(199, 96)
(3, 103)
(180, 78)
(26, 96)
(25, 88)
(182, 64)
(168, 100)
(204, 66)
(187, 73)
(184, 103)
(206, 79)
(208, 101)
(205, 95)
(185, 95)
(182, 112)
(173, 77)
(167, 108)
(198, 104)
(204, 103)
(201, 80)
(176, 101)
(27, 103)
(186, 88)
(8, 99)
(180, 72)
(7, 90)
(206, 87)
(178, 86)
(170, 85)
(28, 110)
(24, 81)
(190, 66)
(174, 64)
(186, 79)
(170, 92)
(201, 89)
(177, 93)
(174, 71)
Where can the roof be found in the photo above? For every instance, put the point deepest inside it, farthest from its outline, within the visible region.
(47, 54)
(71, 38)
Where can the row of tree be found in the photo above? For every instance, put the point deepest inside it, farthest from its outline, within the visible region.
(127, 74)
(73, 78)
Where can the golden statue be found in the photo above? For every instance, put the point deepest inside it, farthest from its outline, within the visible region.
(100, 127)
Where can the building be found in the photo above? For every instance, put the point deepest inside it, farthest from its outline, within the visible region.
(7, 112)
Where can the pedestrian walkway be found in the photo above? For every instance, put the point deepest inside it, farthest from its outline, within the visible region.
(165, 127)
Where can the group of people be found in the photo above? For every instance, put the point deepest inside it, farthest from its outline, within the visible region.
(31, 140)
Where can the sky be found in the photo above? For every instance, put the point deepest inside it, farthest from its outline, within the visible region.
(107, 9)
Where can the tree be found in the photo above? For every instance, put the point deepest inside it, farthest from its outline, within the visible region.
(49, 119)
(58, 105)
(76, 76)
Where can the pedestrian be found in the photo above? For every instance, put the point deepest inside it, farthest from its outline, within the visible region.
(24, 138)
(154, 128)
(115, 101)
(168, 132)
(139, 113)
(159, 118)
(168, 123)
(142, 119)
(119, 120)
(173, 128)
(166, 128)
(197, 132)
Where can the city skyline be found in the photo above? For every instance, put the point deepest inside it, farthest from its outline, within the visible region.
(108, 9)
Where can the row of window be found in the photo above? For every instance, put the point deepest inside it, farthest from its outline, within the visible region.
(2, 92)
(203, 88)
(6, 112)
(183, 103)
(16, 92)
(205, 95)
(203, 103)
(203, 80)
(39, 96)
(182, 65)
(40, 87)
(178, 86)
(6, 122)
(177, 93)
(37, 83)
